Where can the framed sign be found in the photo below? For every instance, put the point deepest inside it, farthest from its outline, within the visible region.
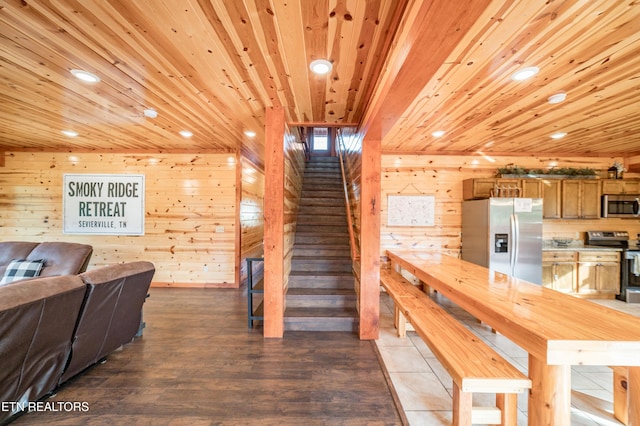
(410, 210)
(103, 204)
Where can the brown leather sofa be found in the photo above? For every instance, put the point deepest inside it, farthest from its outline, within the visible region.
(53, 328)
(36, 326)
(61, 258)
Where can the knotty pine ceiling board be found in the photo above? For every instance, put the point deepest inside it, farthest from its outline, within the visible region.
(214, 66)
(590, 50)
(208, 66)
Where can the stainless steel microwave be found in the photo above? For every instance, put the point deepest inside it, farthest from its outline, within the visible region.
(621, 206)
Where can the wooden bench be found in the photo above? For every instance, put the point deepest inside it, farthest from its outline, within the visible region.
(473, 366)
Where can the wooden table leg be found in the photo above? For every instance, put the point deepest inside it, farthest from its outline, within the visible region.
(633, 395)
(620, 394)
(550, 394)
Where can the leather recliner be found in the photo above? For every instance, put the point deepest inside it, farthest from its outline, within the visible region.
(111, 314)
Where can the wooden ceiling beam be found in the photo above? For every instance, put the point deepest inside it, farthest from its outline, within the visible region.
(430, 31)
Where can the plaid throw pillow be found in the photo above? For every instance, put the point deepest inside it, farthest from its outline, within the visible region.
(21, 269)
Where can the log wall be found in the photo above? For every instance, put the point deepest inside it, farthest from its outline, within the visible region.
(190, 204)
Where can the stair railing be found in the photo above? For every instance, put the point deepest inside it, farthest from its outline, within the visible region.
(352, 241)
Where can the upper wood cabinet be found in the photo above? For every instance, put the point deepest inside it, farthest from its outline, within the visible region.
(531, 188)
(551, 198)
(562, 198)
(620, 186)
(475, 189)
(580, 199)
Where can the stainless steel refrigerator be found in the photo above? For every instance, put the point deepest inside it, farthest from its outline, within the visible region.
(505, 235)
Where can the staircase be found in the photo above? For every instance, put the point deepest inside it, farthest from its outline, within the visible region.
(321, 295)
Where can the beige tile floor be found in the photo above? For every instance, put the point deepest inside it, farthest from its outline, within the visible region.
(424, 387)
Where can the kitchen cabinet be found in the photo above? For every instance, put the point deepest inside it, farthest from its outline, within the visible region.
(551, 198)
(599, 273)
(594, 274)
(562, 198)
(474, 189)
(531, 188)
(580, 199)
(620, 186)
(560, 270)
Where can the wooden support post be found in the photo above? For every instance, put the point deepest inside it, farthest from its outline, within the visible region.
(274, 223)
(370, 236)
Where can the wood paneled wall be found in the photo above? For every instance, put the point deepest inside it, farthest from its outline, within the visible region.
(442, 177)
(190, 204)
(352, 143)
(251, 215)
(294, 165)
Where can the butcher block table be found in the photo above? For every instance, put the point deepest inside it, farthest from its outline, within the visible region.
(556, 329)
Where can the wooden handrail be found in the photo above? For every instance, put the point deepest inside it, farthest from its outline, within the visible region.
(352, 241)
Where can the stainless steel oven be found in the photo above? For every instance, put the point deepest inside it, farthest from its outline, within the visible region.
(629, 260)
(626, 206)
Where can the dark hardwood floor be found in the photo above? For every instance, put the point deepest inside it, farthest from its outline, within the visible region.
(199, 364)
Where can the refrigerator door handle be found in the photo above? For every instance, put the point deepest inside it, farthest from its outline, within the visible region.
(515, 237)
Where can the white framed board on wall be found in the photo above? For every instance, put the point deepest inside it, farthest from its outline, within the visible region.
(410, 210)
(103, 204)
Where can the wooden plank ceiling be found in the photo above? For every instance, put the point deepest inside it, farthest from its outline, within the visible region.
(415, 66)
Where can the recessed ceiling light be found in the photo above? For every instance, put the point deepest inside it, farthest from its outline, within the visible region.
(525, 73)
(557, 98)
(151, 113)
(438, 133)
(558, 135)
(250, 133)
(70, 133)
(85, 76)
(186, 133)
(321, 66)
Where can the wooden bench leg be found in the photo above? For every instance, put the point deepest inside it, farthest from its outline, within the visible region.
(462, 407)
(620, 396)
(400, 322)
(508, 405)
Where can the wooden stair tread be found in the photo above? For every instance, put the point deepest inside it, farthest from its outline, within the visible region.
(321, 312)
(313, 274)
(322, 234)
(322, 258)
(302, 291)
